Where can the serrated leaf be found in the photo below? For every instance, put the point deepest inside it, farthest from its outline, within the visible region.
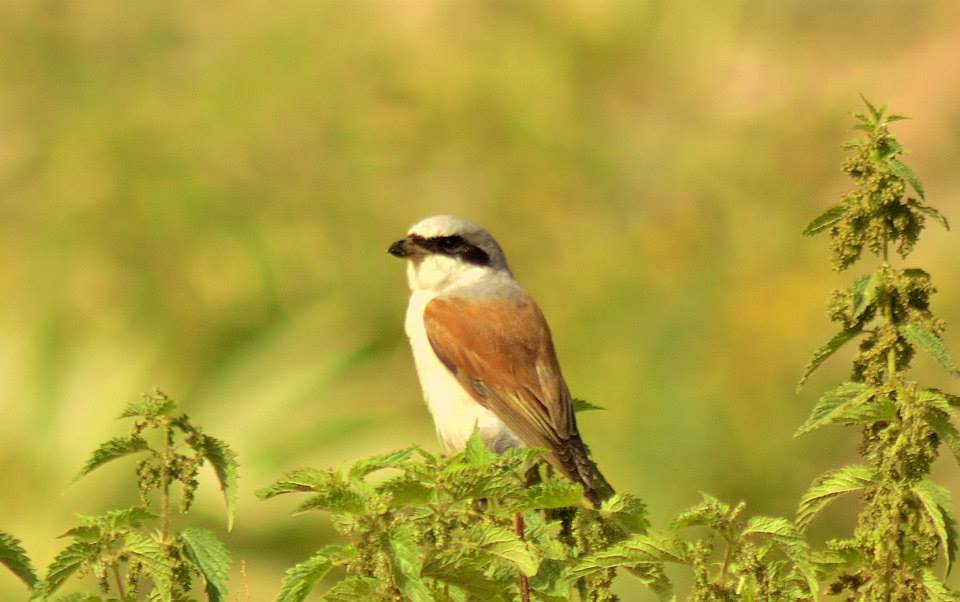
(224, 462)
(632, 552)
(772, 526)
(405, 491)
(352, 589)
(111, 450)
(476, 453)
(339, 499)
(874, 111)
(156, 563)
(582, 405)
(824, 352)
(87, 533)
(901, 170)
(151, 406)
(825, 220)
(299, 481)
(66, 563)
(471, 579)
(827, 487)
(921, 337)
(122, 518)
(864, 293)
(503, 543)
(941, 424)
(546, 495)
(302, 578)
(937, 508)
(380, 462)
(14, 557)
(628, 511)
(933, 213)
(936, 590)
(850, 402)
(210, 557)
(406, 561)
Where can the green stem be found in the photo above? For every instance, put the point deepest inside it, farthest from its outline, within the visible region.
(120, 589)
(165, 485)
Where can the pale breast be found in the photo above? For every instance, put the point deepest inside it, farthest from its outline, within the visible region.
(455, 413)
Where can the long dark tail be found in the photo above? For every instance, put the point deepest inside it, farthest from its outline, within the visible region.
(574, 461)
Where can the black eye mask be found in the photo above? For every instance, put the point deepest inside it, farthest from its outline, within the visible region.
(456, 246)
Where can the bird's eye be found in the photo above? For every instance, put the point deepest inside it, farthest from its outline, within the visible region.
(449, 243)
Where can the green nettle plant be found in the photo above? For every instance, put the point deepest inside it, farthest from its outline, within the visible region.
(133, 552)
(14, 557)
(906, 522)
(441, 528)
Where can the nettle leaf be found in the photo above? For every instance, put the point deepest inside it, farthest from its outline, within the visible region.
(902, 171)
(935, 398)
(828, 486)
(850, 402)
(406, 562)
(383, 461)
(461, 572)
(352, 589)
(932, 213)
(937, 509)
(503, 543)
(122, 518)
(940, 422)
(225, 465)
(66, 563)
(156, 562)
(824, 352)
(475, 453)
(921, 337)
(628, 511)
(549, 494)
(300, 481)
(111, 450)
(582, 405)
(936, 590)
(339, 499)
(14, 557)
(788, 537)
(632, 552)
(303, 578)
(150, 406)
(405, 491)
(825, 220)
(210, 557)
(865, 290)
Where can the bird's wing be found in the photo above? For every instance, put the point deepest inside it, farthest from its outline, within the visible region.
(502, 353)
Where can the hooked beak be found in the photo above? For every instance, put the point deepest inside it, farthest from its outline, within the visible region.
(403, 248)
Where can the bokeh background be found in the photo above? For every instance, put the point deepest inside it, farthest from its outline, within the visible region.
(199, 196)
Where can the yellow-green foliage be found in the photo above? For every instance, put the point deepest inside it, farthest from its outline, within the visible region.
(906, 522)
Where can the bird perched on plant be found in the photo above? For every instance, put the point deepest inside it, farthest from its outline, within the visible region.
(483, 350)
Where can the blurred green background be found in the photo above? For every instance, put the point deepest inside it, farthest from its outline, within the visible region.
(199, 196)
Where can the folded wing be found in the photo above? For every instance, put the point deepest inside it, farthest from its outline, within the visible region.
(502, 353)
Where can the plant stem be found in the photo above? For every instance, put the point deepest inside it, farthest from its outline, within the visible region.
(524, 583)
(165, 485)
(120, 589)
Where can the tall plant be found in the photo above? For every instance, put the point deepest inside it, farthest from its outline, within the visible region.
(906, 521)
(135, 553)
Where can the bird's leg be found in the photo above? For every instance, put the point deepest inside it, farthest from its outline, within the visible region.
(524, 583)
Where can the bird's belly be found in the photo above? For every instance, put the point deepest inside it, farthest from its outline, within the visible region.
(455, 413)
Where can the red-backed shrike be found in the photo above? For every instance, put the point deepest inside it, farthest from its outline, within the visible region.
(483, 350)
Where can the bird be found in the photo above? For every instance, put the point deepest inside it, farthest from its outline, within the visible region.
(483, 350)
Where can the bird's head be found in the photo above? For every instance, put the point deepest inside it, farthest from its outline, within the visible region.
(444, 251)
